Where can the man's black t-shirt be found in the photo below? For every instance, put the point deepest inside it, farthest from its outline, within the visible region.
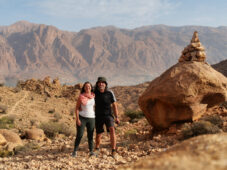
(103, 103)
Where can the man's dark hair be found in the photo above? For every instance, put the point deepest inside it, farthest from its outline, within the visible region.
(96, 85)
(83, 90)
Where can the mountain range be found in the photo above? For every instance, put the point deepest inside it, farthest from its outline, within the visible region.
(125, 57)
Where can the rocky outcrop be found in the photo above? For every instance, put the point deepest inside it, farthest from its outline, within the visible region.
(221, 67)
(183, 93)
(51, 89)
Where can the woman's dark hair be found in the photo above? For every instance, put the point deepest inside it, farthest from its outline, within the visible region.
(83, 90)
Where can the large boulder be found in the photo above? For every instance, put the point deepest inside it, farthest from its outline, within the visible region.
(35, 134)
(202, 152)
(11, 136)
(12, 139)
(2, 140)
(183, 93)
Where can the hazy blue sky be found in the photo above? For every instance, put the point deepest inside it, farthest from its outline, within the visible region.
(74, 15)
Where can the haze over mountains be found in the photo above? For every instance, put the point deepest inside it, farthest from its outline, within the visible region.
(124, 56)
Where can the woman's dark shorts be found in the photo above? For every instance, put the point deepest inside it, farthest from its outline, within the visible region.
(99, 122)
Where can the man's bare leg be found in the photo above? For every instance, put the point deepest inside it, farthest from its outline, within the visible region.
(98, 140)
(112, 138)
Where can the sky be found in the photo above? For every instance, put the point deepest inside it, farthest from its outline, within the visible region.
(75, 15)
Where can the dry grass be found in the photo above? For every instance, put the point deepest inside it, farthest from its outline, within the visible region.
(26, 148)
(7, 122)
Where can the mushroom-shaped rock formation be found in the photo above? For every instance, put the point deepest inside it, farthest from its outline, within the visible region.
(183, 93)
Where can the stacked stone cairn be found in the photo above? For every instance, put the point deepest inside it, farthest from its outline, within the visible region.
(194, 51)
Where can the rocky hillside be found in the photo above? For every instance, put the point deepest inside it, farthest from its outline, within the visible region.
(45, 105)
(124, 56)
(221, 67)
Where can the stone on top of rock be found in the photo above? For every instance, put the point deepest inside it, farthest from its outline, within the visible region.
(194, 51)
(183, 93)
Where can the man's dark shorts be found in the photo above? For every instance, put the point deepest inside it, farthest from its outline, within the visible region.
(99, 123)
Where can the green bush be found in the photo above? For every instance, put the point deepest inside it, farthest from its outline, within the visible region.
(214, 119)
(51, 129)
(134, 115)
(6, 122)
(130, 133)
(199, 128)
(28, 147)
(5, 153)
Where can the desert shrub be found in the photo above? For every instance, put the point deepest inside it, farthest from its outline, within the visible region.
(6, 153)
(33, 122)
(57, 116)
(28, 147)
(51, 129)
(198, 128)
(2, 84)
(130, 133)
(134, 115)
(214, 119)
(51, 111)
(224, 105)
(7, 122)
(17, 89)
(72, 110)
(3, 109)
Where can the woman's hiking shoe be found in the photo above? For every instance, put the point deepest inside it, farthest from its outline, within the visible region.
(92, 154)
(74, 154)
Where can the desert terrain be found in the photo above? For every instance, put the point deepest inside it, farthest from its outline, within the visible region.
(135, 140)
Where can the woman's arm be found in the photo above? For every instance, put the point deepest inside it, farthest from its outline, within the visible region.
(77, 109)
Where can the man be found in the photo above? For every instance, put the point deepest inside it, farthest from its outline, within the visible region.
(104, 98)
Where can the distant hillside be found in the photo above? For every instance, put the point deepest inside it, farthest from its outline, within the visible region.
(125, 57)
(221, 67)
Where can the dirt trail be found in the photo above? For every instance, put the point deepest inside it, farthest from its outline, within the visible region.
(17, 103)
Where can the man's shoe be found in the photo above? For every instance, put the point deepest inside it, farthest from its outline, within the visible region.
(114, 154)
(96, 153)
(74, 154)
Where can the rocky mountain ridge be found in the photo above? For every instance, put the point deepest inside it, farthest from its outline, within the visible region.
(124, 56)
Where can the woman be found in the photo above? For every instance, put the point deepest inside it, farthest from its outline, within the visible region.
(85, 116)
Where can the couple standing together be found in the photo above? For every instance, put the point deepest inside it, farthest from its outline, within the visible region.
(101, 99)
